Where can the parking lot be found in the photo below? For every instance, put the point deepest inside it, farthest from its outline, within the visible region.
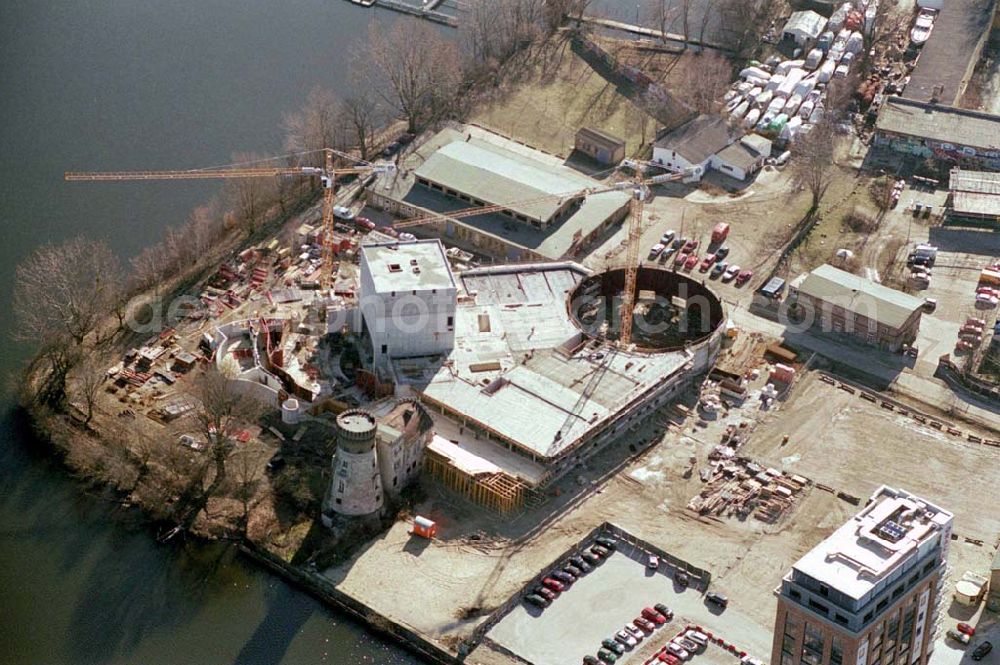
(603, 601)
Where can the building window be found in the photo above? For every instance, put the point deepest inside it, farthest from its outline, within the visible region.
(385, 348)
(794, 593)
(339, 501)
(819, 607)
(836, 650)
(812, 645)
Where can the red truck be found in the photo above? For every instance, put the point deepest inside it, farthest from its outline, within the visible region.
(720, 233)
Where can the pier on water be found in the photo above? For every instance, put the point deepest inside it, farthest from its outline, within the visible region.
(428, 10)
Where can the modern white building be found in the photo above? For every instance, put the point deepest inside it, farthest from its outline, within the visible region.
(407, 299)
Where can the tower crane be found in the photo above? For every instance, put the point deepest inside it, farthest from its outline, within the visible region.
(639, 191)
(327, 175)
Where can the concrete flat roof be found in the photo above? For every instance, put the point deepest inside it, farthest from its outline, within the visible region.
(944, 124)
(407, 265)
(506, 374)
(552, 242)
(875, 542)
(859, 295)
(951, 50)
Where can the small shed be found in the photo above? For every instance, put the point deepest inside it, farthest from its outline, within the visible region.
(600, 146)
(803, 27)
(424, 527)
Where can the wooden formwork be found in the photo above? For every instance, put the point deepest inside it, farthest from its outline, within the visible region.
(497, 492)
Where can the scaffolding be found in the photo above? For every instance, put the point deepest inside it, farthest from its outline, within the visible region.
(496, 491)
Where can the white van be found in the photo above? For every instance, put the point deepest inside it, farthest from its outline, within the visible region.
(697, 637)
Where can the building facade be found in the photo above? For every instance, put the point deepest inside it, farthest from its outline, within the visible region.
(356, 486)
(870, 593)
(855, 309)
(403, 435)
(599, 146)
(407, 299)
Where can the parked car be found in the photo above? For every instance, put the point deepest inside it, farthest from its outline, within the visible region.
(555, 585)
(717, 599)
(667, 613)
(590, 660)
(600, 551)
(666, 254)
(581, 564)
(626, 638)
(537, 601)
(707, 262)
(678, 651)
(681, 259)
(930, 304)
(961, 638)
(698, 637)
(342, 212)
(407, 236)
(980, 652)
(691, 262)
(743, 277)
(690, 246)
(655, 250)
(644, 623)
(573, 570)
(609, 544)
(635, 632)
(679, 242)
(722, 252)
(391, 149)
(668, 237)
(607, 656)
(718, 269)
(562, 576)
(364, 223)
(731, 272)
(652, 562)
(612, 645)
(545, 592)
(654, 616)
(688, 645)
(591, 558)
(966, 628)
(668, 658)
(682, 578)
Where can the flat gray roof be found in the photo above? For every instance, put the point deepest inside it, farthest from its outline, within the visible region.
(944, 124)
(490, 173)
(975, 192)
(951, 50)
(551, 242)
(407, 265)
(506, 375)
(859, 295)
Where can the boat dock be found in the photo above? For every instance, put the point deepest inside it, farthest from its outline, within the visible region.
(427, 11)
(649, 32)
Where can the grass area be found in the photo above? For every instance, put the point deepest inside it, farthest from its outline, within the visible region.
(560, 96)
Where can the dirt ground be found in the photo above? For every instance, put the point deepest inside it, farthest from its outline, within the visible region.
(480, 561)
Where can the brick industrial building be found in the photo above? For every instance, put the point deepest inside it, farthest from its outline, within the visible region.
(870, 593)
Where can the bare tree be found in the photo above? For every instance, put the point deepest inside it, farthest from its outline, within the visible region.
(61, 292)
(812, 163)
(415, 69)
(89, 377)
(889, 19)
(557, 11)
(316, 125)
(361, 115)
(662, 14)
(494, 30)
(704, 80)
(744, 21)
(249, 198)
(248, 468)
(223, 411)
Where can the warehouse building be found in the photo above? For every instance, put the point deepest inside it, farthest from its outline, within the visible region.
(803, 27)
(974, 196)
(547, 216)
(949, 135)
(709, 142)
(871, 592)
(840, 303)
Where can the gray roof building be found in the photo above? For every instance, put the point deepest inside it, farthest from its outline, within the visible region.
(699, 138)
(490, 174)
(975, 193)
(943, 124)
(859, 295)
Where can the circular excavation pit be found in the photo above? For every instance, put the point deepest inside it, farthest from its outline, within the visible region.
(672, 311)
